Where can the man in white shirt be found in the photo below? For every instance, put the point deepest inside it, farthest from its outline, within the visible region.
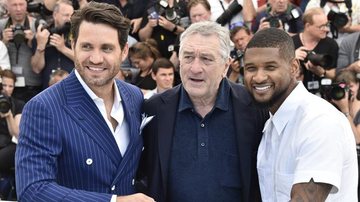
(308, 150)
(163, 74)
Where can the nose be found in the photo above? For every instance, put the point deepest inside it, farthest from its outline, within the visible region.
(260, 76)
(196, 66)
(96, 57)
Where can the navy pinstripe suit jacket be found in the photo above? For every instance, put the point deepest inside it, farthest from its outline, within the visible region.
(66, 151)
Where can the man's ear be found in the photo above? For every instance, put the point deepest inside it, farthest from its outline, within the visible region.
(295, 67)
(227, 65)
(124, 52)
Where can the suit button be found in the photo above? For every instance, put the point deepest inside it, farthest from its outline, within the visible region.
(143, 149)
(89, 161)
(133, 182)
(113, 188)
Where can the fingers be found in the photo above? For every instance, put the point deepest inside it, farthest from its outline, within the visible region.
(139, 197)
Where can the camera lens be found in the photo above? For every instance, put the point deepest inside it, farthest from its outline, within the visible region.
(337, 93)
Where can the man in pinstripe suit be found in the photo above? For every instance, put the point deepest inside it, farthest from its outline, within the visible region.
(79, 139)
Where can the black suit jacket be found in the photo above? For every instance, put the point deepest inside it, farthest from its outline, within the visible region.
(158, 134)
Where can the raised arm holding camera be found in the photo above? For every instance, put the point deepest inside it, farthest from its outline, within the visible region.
(164, 20)
(316, 52)
(10, 115)
(51, 48)
(279, 14)
(17, 32)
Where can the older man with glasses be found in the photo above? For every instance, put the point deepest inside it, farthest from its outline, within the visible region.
(313, 41)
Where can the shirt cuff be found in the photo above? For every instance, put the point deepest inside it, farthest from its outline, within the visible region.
(113, 198)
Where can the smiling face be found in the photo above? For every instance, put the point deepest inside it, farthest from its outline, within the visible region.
(201, 66)
(268, 76)
(98, 59)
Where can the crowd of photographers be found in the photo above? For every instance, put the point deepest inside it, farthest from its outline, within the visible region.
(35, 46)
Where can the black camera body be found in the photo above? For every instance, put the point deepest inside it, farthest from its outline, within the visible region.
(274, 21)
(231, 11)
(162, 8)
(323, 60)
(236, 54)
(19, 34)
(64, 29)
(5, 104)
(337, 19)
(334, 91)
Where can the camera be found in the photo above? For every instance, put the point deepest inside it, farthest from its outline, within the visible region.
(274, 21)
(162, 8)
(337, 19)
(236, 54)
(5, 104)
(64, 29)
(39, 8)
(323, 60)
(333, 91)
(19, 34)
(226, 16)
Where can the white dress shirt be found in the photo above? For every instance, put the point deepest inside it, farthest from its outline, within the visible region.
(307, 138)
(121, 132)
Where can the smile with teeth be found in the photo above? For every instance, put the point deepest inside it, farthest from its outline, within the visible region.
(262, 88)
(98, 69)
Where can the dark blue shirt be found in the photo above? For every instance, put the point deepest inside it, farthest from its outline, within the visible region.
(204, 157)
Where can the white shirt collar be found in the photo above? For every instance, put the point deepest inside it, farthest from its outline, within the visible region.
(288, 108)
(92, 95)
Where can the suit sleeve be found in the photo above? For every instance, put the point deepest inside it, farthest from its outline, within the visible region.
(36, 160)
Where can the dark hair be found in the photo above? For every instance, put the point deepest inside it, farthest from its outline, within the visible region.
(193, 3)
(162, 63)
(101, 13)
(8, 74)
(144, 49)
(274, 38)
(237, 29)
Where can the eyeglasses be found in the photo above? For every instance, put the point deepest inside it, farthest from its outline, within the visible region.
(324, 26)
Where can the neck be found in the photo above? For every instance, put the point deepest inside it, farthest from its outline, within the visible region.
(105, 92)
(203, 106)
(308, 40)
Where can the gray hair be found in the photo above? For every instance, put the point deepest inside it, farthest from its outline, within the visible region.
(208, 28)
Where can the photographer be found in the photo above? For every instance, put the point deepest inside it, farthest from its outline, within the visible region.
(349, 57)
(349, 105)
(17, 32)
(280, 14)
(313, 42)
(51, 47)
(240, 36)
(9, 121)
(162, 22)
(343, 14)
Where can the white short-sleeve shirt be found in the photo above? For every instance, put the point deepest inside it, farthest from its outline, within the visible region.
(311, 139)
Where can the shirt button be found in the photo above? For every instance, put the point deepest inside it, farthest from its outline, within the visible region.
(113, 188)
(202, 125)
(89, 161)
(202, 144)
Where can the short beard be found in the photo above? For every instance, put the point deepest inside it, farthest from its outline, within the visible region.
(274, 99)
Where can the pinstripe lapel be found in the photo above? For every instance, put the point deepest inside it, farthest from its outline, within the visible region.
(130, 117)
(84, 111)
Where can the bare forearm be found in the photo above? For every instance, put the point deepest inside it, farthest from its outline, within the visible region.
(38, 61)
(310, 191)
(249, 12)
(145, 33)
(13, 126)
(68, 53)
